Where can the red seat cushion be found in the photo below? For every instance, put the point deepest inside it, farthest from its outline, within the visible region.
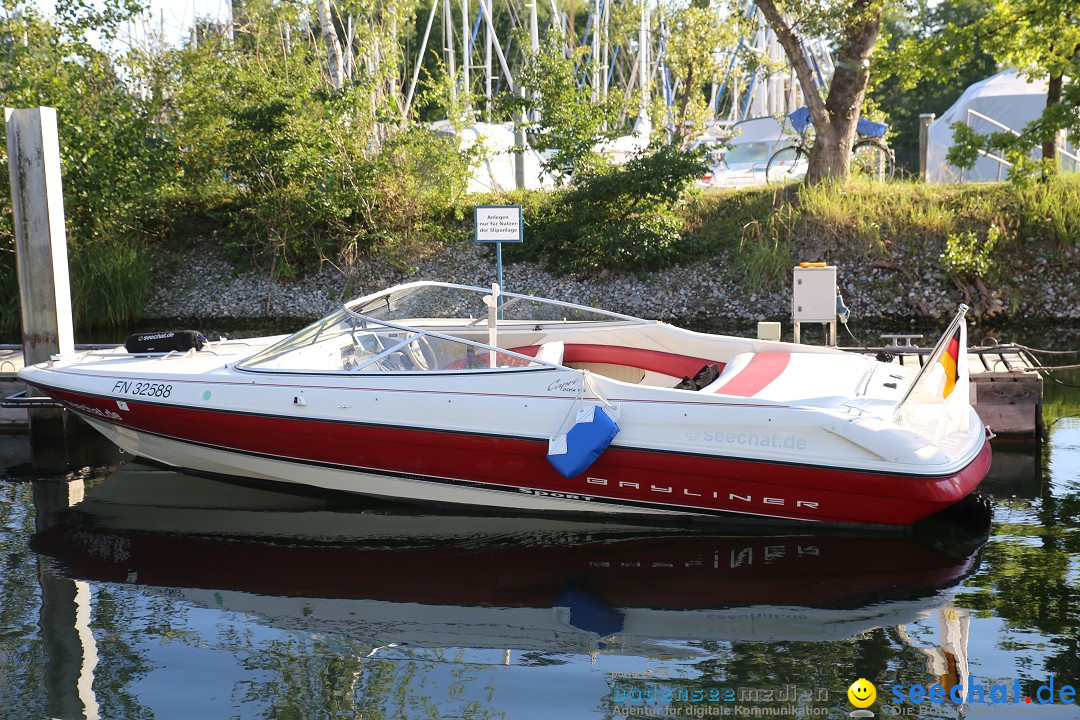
(655, 360)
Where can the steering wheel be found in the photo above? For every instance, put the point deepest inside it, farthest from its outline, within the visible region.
(421, 354)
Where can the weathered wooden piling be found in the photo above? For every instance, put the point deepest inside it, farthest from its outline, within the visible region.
(40, 239)
(40, 256)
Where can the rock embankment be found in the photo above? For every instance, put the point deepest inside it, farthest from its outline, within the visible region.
(202, 285)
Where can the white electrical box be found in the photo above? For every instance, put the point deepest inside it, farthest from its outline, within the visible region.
(768, 330)
(813, 296)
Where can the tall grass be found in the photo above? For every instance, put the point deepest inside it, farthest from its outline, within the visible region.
(110, 281)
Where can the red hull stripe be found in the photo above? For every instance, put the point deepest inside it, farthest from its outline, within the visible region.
(762, 369)
(627, 476)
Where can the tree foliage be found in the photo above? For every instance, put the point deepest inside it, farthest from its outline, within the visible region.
(561, 113)
(906, 87)
(1041, 38)
(239, 131)
(853, 27)
(696, 32)
(114, 153)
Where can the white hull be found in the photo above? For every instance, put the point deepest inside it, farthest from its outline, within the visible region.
(220, 462)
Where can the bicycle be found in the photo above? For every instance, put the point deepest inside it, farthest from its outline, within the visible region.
(870, 156)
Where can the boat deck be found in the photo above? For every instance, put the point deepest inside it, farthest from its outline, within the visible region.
(1005, 388)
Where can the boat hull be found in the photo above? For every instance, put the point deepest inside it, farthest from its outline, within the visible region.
(504, 471)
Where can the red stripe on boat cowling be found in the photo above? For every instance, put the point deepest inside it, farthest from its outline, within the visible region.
(762, 369)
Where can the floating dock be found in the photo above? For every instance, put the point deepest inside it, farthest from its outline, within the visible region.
(1005, 387)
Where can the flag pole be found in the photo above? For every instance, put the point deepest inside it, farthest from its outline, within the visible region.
(935, 356)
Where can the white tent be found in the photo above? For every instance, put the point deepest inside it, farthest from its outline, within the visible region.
(1008, 99)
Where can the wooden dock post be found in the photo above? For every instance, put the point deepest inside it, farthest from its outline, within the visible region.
(71, 653)
(924, 143)
(41, 257)
(40, 239)
(1009, 402)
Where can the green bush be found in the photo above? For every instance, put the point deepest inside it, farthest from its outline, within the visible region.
(115, 157)
(968, 256)
(619, 219)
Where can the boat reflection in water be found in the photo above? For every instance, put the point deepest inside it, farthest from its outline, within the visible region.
(409, 577)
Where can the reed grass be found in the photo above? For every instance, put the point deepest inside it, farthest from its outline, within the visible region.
(110, 281)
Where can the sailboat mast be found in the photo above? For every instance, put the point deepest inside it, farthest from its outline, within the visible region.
(466, 54)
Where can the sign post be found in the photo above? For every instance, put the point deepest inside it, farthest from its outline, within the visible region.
(497, 224)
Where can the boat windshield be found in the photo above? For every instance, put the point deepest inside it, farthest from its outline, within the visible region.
(421, 327)
(414, 303)
(347, 342)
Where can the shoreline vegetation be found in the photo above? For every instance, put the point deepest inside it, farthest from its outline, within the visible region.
(242, 175)
(905, 251)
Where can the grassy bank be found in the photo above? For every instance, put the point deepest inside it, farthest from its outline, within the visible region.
(765, 230)
(989, 241)
(990, 238)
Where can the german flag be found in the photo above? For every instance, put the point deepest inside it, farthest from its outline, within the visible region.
(950, 360)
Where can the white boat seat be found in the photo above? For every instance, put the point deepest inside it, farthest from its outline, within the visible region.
(551, 352)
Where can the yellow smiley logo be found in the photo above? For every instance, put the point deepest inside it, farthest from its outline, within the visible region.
(862, 693)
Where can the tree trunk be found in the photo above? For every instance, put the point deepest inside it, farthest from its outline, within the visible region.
(828, 160)
(1049, 141)
(333, 45)
(836, 117)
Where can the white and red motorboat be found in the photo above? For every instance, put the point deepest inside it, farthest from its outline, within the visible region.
(448, 394)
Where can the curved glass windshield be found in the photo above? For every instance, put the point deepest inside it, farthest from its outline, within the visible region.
(345, 342)
(411, 304)
(422, 327)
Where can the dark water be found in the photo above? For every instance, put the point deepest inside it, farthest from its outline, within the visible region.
(167, 596)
